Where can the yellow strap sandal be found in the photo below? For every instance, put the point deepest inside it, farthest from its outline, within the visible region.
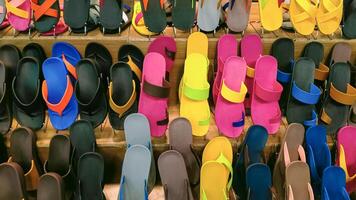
(329, 16)
(302, 15)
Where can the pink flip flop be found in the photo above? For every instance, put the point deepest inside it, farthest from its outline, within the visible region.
(166, 46)
(227, 46)
(19, 14)
(266, 93)
(346, 158)
(229, 109)
(154, 93)
(251, 48)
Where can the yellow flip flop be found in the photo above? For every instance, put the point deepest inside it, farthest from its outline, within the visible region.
(137, 21)
(271, 14)
(303, 15)
(329, 15)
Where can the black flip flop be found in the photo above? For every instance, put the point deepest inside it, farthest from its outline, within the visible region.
(303, 94)
(122, 95)
(90, 177)
(5, 108)
(349, 22)
(110, 16)
(340, 95)
(12, 183)
(45, 19)
(10, 56)
(77, 16)
(154, 15)
(183, 14)
(27, 105)
(90, 92)
(51, 187)
(36, 51)
(283, 51)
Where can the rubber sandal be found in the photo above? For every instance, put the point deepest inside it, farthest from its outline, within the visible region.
(259, 182)
(291, 151)
(36, 51)
(102, 56)
(303, 94)
(154, 15)
(229, 109)
(10, 56)
(333, 185)
(341, 53)
(298, 182)
(46, 14)
(349, 22)
(60, 28)
(227, 46)
(12, 182)
(238, 10)
(69, 54)
(19, 14)
(91, 176)
(77, 15)
(154, 93)
(251, 48)
(166, 46)
(340, 95)
(181, 140)
(197, 43)
(111, 15)
(208, 15)
(251, 152)
(23, 152)
(28, 108)
(138, 22)
(271, 15)
(175, 186)
(3, 11)
(318, 155)
(5, 103)
(57, 92)
(283, 51)
(183, 14)
(122, 95)
(303, 15)
(135, 173)
(346, 158)
(51, 187)
(329, 16)
(267, 91)
(90, 92)
(217, 158)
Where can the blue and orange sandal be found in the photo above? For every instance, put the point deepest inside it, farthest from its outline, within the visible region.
(69, 54)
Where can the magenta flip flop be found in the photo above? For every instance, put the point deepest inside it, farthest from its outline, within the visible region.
(251, 49)
(166, 46)
(227, 46)
(229, 109)
(19, 14)
(265, 110)
(154, 93)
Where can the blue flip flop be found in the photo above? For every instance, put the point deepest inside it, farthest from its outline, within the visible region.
(57, 92)
(318, 154)
(334, 184)
(69, 54)
(259, 182)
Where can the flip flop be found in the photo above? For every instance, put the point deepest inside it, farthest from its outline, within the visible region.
(19, 14)
(135, 173)
(122, 95)
(229, 108)
(208, 15)
(329, 16)
(23, 152)
(60, 28)
(349, 22)
(181, 140)
(5, 103)
(303, 94)
(3, 11)
(90, 92)
(341, 52)
(298, 182)
(91, 176)
(153, 101)
(291, 151)
(36, 51)
(69, 54)
(183, 14)
(333, 185)
(346, 158)
(77, 15)
(283, 51)
(238, 10)
(111, 15)
(46, 14)
(271, 14)
(227, 46)
(217, 158)
(138, 22)
(10, 56)
(318, 155)
(102, 56)
(251, 48)
(12, 182)
(251, 151)
(51, 186)
(57, 92)
(340, 95)
(28, 108)
(267, 91)
(176, 186)
(303, 15)
(154, 15)
(166, 46)
(259, 182)
(197, 43)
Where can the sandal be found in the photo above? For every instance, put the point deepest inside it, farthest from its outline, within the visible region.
(329, 16)
(19, 14)
(138, 22)
(238, 10)
(271, 14)
(154, 15)
(69, 55)
(101, 55)
(12, 182)
(166, 46)
(208, 15)
(334, 184)
(46, 14)
(298, 181)
(5, 103)
(349, 19)
(36, 51)
(303, 15)
(183, 14)
(80, 16)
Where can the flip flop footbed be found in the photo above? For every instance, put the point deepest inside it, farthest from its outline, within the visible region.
(59, 158)
(298, 181)
(111, 14)
(259, 181)
(183, 14)
(154, 15)
(12, 182)
(213, 181)
(208, 15)
(46, 14)
(270, 15)
(333, 185)
(349, 28)
(50, 187)
(10, 56)
(238, 10)
(35, 50)
(138, 21)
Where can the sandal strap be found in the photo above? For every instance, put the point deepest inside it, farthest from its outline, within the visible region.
(239, 123)
(205, 122)
(44, 9)
(309, 9)
(333, 11)
(69, 66)
(164, 121)
(348, 98)
(284, 77)
(325, 117)
(233, 96)
(145, 4)
(136, 70)
(223, 160)
(139, 19)
(12, 6)
(268, 94)
(156, 90)
(122, 109)
(322, 72)
(310, 98)
(198, 94)
(250, 72)
(313, 121)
